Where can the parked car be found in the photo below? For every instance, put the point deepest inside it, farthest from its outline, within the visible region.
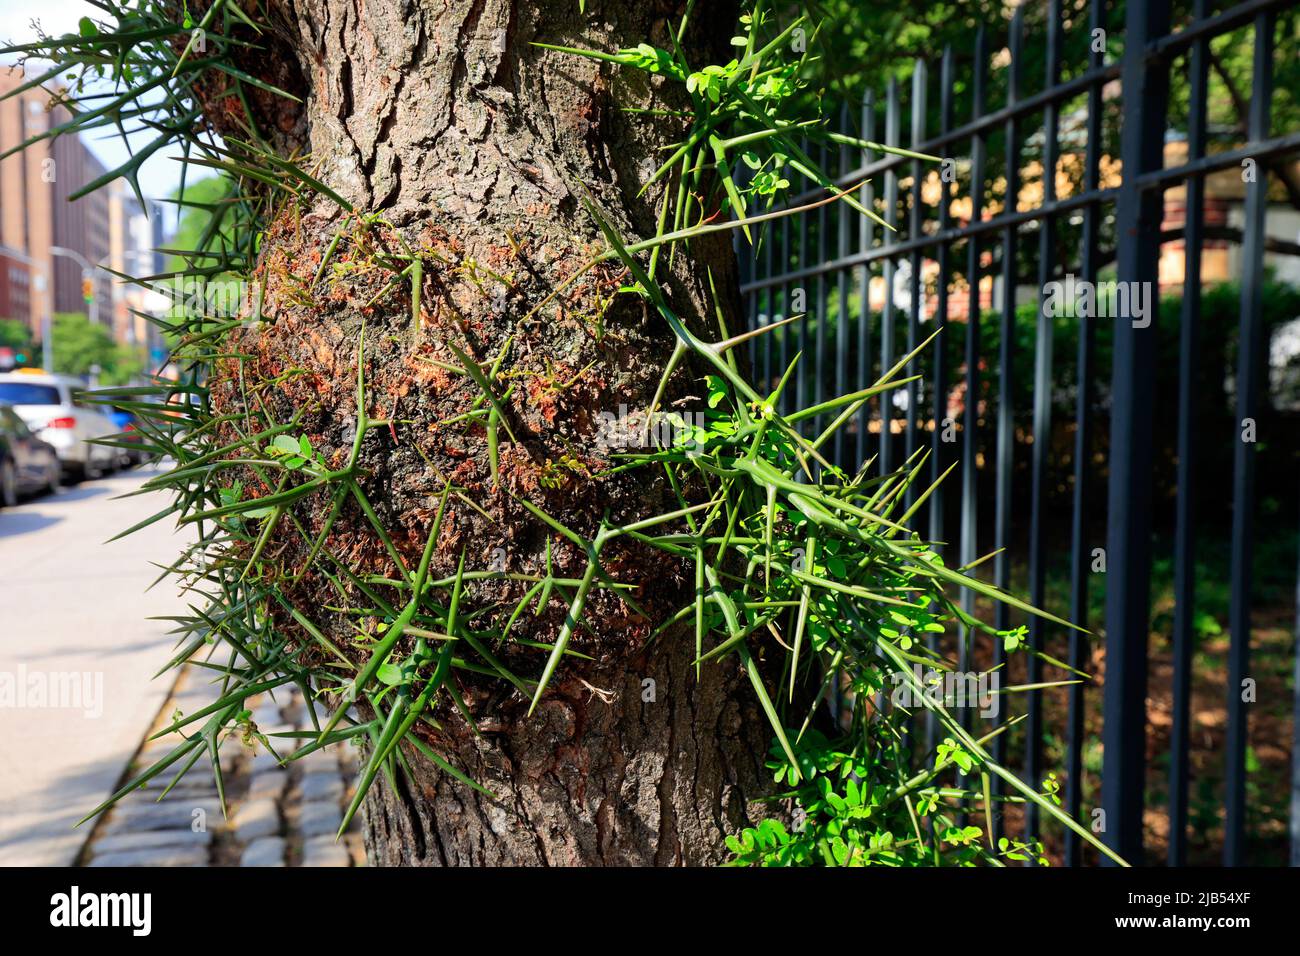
(27, 464)
(55, 409)
(129, 432)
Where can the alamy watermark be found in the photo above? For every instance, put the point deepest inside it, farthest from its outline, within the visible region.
(626, 430)
(55, 690)
(221, 298)
(75, 909)
(974, 690)
(1082, 298)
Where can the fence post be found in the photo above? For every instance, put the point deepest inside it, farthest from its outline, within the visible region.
(1080, 552)
(1250, 367)
(1128, 536)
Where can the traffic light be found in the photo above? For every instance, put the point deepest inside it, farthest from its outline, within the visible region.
(87, 289)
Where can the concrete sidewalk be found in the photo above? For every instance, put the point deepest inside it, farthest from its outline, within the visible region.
(78, 655)
(78, 702)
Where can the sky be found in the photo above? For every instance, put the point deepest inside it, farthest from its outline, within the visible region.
(160, 175)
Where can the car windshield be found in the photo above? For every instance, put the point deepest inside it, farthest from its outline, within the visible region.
(28, 393)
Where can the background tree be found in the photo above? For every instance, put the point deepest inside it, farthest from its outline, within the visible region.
(15, 334)
(83, 348)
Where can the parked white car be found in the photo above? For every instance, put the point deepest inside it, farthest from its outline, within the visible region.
(54, 409)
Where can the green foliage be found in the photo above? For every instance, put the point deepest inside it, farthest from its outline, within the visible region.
(14, 333)
(80, 345)
(197, 205)
(790, 544)
(846, 816)
(862, 46)
(750, 107)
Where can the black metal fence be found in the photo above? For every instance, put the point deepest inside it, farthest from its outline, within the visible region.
(1066, 455)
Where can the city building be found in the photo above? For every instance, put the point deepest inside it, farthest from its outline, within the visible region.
(36, 216)
(135, 235)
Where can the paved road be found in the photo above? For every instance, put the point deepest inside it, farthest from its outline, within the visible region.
(73, 630)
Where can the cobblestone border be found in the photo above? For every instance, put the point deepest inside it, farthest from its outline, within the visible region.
(279, 815)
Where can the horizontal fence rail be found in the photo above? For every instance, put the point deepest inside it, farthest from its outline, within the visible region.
(1062, 183)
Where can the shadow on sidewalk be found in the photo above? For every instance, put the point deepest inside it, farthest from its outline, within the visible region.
(14, 523)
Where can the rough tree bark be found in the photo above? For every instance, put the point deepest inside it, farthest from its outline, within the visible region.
(476, 148)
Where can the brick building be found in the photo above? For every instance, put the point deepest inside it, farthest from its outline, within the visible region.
(35, 214)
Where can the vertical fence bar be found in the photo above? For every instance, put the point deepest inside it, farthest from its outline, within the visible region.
(804, 257)
(1295, 733)
(822, 377)
(784, 331)
(1006, 354)
(747, 258)
(1184, 509)
(841, 343)
(842, 296)
(887, 313)
(1128, 577)
(915, 217)
(1079, 550)
(938, 380)
(970, 413)
(769, 240)
(915, 227)
(747, 255)
(1006, 345)
(866, 242)
(866, 238)
(1243, 464)
(1042, 419)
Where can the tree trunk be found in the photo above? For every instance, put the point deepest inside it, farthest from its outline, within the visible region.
(656, 770)
(475, 148)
